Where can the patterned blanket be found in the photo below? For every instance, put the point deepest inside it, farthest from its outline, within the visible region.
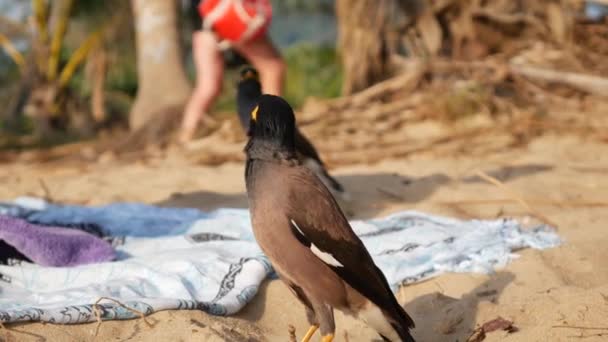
(171, 258)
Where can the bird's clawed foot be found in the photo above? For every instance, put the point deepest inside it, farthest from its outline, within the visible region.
(311, 331)
(328, 338)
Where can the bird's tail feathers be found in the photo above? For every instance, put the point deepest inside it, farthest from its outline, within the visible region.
(385, 323)
(403, 332)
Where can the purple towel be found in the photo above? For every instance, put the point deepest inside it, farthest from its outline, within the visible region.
(54, 246)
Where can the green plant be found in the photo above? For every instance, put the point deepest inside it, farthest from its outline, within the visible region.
(312, 71)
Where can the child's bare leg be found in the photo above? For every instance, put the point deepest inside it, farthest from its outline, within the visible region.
(263, 55)
(209, 72)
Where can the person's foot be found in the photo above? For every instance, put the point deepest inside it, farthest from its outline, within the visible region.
(208, 121)
(185, 136)
(187, 133)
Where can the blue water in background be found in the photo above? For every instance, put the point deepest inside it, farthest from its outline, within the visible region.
(293, 27)
(15, 9)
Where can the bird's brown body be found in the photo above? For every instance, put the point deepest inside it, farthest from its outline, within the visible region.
(300, 227)
(282, 246)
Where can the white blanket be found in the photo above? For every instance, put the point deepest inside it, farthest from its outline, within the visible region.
(215, 265)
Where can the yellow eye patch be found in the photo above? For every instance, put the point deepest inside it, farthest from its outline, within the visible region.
(254, 113)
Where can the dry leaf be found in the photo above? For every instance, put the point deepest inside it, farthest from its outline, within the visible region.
(498, 323)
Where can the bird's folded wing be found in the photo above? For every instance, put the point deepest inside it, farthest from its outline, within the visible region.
(320, 225)
(304, 146)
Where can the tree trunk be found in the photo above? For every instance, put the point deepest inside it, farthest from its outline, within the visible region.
(162, 81)
(369, 31)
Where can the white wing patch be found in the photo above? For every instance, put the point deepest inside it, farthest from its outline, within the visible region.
(324, 256)
(298, 228)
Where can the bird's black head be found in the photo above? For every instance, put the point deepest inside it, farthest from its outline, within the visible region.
(248, 91)
(273, 121)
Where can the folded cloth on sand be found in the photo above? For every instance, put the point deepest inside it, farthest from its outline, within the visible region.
(116, 219)
(215, 265)
(23, 206)
(53, 246)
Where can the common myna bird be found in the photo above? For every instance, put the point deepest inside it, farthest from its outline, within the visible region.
(249, 91)
(301, 229)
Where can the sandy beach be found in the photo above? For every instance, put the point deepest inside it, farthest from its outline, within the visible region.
(551, 295)
(464, 109)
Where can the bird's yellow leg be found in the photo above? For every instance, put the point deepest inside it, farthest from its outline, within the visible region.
(328, 338)
(311, 331)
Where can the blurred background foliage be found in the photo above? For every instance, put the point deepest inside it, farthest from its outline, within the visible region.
(382, 38)
(305, 30)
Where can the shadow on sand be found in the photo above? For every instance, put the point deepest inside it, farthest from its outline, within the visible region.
(369, 193)
(442, 318)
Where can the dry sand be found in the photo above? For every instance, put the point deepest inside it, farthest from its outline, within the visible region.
(565, 286)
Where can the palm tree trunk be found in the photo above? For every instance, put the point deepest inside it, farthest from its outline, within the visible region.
(162, 81)
(369, 31)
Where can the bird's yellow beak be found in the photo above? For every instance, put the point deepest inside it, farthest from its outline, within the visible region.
(254, 113)
(249, 74)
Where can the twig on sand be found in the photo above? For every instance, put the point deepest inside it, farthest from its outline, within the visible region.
(579, 327)
(588, 335)
(97, 313)
(390, 194)
(441, 290)
(515, 196)
(460, 210)
(582, 335)
(47, 193)
(292, 333)
(536, 201)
